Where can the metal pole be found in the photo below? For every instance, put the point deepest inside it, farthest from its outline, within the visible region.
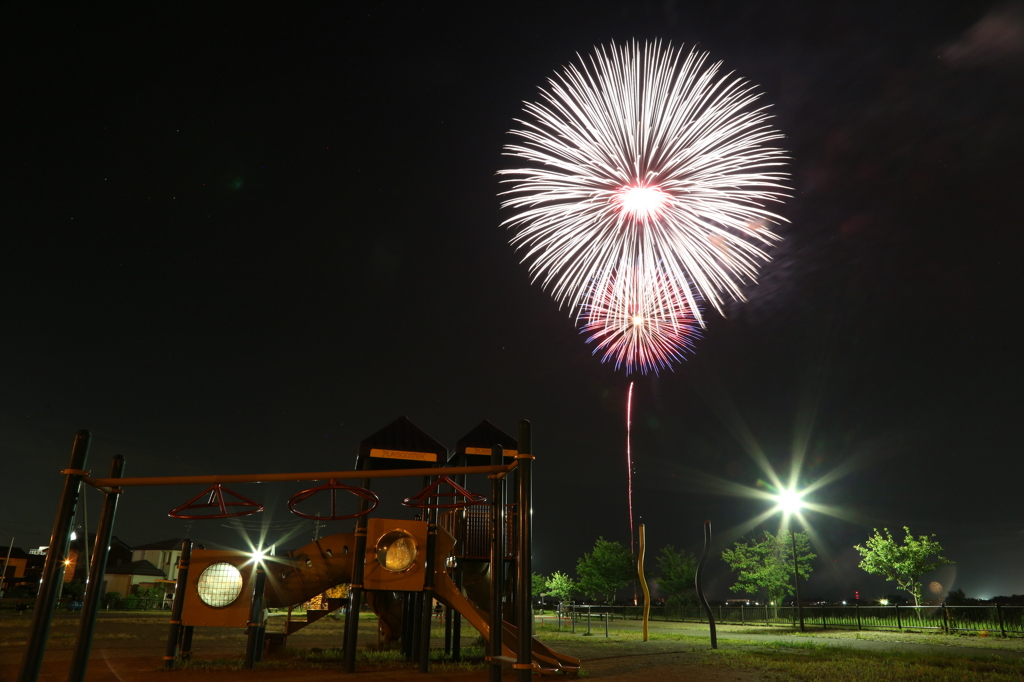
(427, 610)
(94, 590)
(497, 566)
(700, 584)
(796, 579)
(524, 460)
(52, 578)
(186, 642)
(355, 592)
(85, 532)
(462, 519)
(252, 645)
(174, 632)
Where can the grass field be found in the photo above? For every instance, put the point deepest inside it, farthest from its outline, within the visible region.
(676, 652)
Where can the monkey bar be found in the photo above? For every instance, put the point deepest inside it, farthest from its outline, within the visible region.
(333, 486)
(217, 500)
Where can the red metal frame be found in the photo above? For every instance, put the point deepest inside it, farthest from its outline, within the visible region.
(333, 486)
(419, 500)
(216, 499)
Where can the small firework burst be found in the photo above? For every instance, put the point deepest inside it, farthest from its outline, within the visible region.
(641, 323)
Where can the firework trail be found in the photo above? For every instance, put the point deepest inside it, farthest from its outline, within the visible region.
(644, 163)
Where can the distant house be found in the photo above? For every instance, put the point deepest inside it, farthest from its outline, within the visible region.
(164, 555)
(153, 565)
(21, 569)
(138, 575)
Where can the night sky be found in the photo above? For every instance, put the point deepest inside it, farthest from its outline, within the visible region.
(242, 241)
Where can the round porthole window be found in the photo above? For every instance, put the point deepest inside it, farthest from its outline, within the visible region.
(396, 551)
(219, 585)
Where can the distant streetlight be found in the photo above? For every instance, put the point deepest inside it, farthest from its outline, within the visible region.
(790, 502)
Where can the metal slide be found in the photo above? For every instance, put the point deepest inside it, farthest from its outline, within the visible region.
(310, 570)
(545, 660)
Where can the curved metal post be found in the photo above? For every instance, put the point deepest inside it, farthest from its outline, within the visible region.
(643, 581)
(700, 584)
(53, 579)
(87, 624)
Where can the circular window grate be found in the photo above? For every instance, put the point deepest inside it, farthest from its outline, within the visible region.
(219, 585)
(396, 551)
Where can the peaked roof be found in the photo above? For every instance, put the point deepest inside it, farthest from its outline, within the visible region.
(477, 444)
(400, 445)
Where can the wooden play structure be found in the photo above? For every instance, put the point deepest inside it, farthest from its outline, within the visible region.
(471, 554)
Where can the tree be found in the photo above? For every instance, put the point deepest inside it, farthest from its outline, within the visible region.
(902, 564)
(676, 573)
(605, 570)
(560, 586)
(537, 585)
(768, 564)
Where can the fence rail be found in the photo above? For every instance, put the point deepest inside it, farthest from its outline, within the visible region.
(1006, 621)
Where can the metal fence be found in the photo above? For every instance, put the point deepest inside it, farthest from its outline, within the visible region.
(1006, 621)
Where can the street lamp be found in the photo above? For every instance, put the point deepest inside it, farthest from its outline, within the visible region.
(790, 502)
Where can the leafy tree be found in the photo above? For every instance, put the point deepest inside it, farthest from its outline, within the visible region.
(538, 583)
(768, 564)
(676, 573)
(903, 564)
(605, 570)
(560, 586)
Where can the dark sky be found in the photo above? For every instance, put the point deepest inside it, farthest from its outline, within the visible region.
(241, 241)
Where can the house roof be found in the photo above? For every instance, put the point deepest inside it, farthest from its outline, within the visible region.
(135, 568)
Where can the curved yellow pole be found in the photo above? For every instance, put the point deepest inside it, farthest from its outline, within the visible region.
(643, 582)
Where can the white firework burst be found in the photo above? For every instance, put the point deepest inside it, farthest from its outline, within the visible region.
(645, 161)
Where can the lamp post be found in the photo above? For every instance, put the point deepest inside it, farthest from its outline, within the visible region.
(790, 503)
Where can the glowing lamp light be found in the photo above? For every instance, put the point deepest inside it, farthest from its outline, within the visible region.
(642, 202)
(790, 501)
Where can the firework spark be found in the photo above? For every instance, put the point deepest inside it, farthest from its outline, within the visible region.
(644, 159)
(643, 324)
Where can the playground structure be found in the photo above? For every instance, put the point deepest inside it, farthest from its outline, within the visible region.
(400, 565)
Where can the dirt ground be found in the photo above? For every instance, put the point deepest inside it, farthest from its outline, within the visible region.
(130, 648)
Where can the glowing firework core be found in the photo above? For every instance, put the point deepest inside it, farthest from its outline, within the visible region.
(642, 203)
(638, 320)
